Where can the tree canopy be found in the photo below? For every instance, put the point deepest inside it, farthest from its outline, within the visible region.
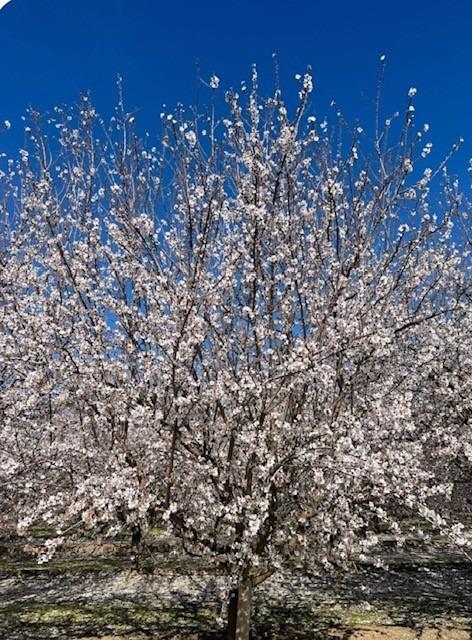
(255, 333)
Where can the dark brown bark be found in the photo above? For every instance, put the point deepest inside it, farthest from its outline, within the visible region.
(239, 611)
(232, 614)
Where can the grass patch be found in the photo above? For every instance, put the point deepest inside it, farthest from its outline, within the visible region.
(65, 566)
(38, 621)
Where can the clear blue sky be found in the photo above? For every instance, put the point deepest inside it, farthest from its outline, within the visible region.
(51, 50)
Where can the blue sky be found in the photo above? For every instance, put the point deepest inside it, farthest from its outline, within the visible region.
(51, 50)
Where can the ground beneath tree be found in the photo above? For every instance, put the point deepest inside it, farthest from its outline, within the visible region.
(81, 596)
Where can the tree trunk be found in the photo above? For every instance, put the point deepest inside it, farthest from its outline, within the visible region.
(232, 614)
(239, 611)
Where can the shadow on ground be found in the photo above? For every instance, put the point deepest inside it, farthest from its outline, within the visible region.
(104, 597)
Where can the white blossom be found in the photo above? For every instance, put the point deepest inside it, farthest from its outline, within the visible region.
(214, 82)
(191, 138)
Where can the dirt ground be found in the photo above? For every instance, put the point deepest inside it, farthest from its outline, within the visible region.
(94, 593)
(368, 633)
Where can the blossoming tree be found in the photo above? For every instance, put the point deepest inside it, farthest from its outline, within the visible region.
(239, 335)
